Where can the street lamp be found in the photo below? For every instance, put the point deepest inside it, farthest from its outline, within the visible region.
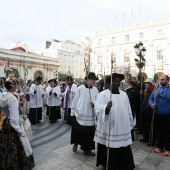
(140, 63)
(140, 52)
(126, 71)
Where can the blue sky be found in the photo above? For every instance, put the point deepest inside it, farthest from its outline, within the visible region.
(33, 21)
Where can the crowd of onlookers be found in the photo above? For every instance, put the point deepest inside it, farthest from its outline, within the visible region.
(150, 105)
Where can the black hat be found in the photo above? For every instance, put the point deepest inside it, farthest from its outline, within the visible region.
(92, 75)
(54, 80)
(69, 78)
(39, 78)
(115, 75)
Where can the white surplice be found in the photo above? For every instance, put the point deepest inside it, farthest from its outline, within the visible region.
(36, 100)
(121, 120)
(81, 107)
(52, 99)
(71, 95)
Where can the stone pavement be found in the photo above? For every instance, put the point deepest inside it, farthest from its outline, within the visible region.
(52, 151)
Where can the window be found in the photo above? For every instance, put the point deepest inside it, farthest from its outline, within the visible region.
(141, 35)
(126, 57)
(99, 59)
(126, 37)
(159, 32)
(159, 55)
(100, 68)
(113, 40)
(99, 42)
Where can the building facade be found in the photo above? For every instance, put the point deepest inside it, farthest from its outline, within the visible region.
(69, 54)
(118, 44)
(19, 60)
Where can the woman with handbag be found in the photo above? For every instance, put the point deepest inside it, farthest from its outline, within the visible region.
(12, 153)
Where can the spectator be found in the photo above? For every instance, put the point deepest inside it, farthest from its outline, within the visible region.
(160, 102)
(147, 113)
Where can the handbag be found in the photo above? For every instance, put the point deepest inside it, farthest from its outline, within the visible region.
(26, 145)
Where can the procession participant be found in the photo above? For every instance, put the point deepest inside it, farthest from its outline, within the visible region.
(160, 102)
(97, 85)
(36, 102)
(46, 96)
(68, 99)
(54, 101)
(147, 113)
(116, 103)
(12, 154)
(83, 128)
(2, 83)
(130, 91)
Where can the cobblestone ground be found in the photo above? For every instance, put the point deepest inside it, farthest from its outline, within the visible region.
(52, 151)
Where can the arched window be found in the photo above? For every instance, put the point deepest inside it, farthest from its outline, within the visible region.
(126, 56)
(159, 53)
(99, 60)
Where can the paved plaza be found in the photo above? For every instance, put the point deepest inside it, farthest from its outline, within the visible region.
(52, 151)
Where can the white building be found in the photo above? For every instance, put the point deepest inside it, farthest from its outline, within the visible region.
(155, 35)
(19, 59)
(69, 54)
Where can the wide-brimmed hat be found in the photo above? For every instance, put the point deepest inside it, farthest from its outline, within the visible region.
(149, 80)
(39, 78)
(91, 75)
(115, 75)
(69, 78)
(54, 80)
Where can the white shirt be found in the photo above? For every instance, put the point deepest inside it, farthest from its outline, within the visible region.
(9, 105)
(54, 100)
(71, 95)
(81, 107)
(36, 99)
(46, 96)
(121, 120)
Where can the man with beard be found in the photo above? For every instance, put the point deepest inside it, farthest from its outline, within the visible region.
(120, 122)
(160, 102)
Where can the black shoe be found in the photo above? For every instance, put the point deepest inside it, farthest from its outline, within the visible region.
(143, 140)
(33, 123)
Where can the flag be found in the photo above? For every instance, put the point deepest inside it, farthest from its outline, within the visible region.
(5, 70)
(124, 15)
(26, 72)
(140, 11)
(132, 12)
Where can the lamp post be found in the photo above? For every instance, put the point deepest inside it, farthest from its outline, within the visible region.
(140, 63)
(126, 71)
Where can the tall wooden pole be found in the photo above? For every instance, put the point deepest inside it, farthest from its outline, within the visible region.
(107, 163)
